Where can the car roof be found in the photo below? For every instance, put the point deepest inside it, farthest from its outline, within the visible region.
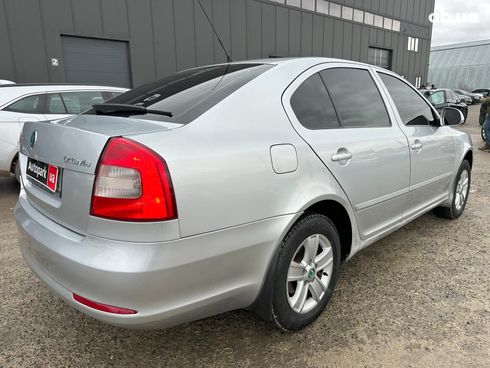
(11, 92)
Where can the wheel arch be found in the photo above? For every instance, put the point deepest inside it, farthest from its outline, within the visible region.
(338, 214)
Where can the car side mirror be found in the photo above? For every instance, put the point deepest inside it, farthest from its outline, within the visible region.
(452, 116)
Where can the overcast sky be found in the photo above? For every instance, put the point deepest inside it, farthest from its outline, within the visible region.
(456, 29)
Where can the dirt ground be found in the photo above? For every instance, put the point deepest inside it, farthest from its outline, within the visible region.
(418, 298)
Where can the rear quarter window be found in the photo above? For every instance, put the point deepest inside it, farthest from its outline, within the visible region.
(28, 105)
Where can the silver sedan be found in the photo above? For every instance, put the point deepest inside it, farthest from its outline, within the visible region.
(241, 185)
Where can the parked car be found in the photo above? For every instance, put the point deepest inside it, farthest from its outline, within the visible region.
(466, 99)
(5, 82)
(483, 91)
(475, 97)
(240, 185)
(34, 102)
(441, 98)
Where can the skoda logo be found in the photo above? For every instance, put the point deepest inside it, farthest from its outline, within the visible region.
(311, 274)
(33, 140)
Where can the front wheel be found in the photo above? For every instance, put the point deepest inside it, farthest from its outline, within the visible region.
(461, 189)
(483, 135)
(306, 272)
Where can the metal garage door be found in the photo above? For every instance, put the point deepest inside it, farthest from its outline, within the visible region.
(96, 61)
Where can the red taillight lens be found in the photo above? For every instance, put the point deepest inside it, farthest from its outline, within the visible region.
(102, 307)
(132, 184)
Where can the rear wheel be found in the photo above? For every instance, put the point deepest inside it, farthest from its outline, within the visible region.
(306, 272)
(461, 190)
(483, 135)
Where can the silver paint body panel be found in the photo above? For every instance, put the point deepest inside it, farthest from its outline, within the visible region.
(239, 188)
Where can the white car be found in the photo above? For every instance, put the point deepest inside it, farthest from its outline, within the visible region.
(34, 102)
(4, 81)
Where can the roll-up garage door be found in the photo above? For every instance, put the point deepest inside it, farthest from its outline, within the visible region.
(96, 61)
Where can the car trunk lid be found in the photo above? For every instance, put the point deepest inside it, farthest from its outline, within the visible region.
(74, 147)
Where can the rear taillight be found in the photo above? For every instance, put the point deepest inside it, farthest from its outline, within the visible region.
(132, 183)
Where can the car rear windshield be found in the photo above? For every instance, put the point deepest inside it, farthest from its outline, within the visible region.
(190, 93)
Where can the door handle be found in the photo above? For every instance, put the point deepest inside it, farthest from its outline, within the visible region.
(416, 145)
(342, 156)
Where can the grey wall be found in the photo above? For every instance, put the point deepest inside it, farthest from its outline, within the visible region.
(169, 35)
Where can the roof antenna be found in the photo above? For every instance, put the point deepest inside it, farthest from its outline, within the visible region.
(228, 57)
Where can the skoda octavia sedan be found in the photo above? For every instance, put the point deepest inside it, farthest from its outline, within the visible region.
(241, 185)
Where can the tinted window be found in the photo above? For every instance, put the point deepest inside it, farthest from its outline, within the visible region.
(190, 93)
(312, 105)
(77, 102)
(411, 106)
(356, 98)
(29, 105)
(55, 104)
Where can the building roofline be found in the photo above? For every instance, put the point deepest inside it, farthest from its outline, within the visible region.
(460, 45)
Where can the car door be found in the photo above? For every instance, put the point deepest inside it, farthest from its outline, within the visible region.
(340, 113)
(432, 146)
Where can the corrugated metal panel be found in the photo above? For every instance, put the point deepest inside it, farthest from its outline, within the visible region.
(168, 35)
(464, 65)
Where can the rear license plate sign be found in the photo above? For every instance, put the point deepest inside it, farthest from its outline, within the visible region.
(42, 173)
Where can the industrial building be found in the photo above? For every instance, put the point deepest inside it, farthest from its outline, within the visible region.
(462, 66)
(130, 42)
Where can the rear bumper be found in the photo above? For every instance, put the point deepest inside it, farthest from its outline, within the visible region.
(168, 283)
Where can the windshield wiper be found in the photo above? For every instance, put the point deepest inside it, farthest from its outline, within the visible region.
(126, 109)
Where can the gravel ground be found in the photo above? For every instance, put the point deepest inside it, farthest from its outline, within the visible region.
(418, 298)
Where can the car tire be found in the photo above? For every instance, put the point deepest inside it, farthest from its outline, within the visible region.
(17, 171)
(461, 190)
(297, 303)
(483, 135)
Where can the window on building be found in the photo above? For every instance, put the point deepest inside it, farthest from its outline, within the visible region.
(418, 82)
(308, 5)
(322, 6)
(335, 10)
(378, 21)
(278, 1)
(413, 44)
(369, 18)
(347, 12)
(396, 26)
(412, 108)
(312, 105)
(380, 57)
(388, 23)
(29, 105)
(296, 3)
(356, 98)
(358, 15)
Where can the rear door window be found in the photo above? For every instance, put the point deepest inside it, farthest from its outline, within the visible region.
(55, 104)
(312, 105)
(29, 105)
(190, 93)
(77, 102)
(356, 98)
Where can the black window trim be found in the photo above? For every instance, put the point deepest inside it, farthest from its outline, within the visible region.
(431, 107)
